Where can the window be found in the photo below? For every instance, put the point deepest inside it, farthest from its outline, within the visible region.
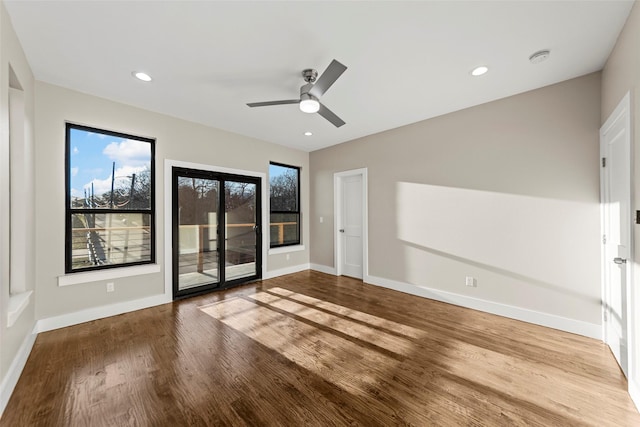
(110, 207)
(284, 185)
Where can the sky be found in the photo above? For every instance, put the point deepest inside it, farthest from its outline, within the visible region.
(92, 156)
(276, 170)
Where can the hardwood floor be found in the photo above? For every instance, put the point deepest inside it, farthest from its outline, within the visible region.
(312, 349)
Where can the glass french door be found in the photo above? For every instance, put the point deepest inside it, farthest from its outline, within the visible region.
(216, 230)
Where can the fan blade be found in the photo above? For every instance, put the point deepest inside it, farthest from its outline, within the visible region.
(265, 104)
(329, 115)
(329, 77)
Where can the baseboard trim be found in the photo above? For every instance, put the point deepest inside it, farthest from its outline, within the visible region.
(287, 270)
(10, 380)
(579, 327)
(95, 313)
(323, 269)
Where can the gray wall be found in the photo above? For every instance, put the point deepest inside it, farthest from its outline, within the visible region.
(507, 192)
(22, 198)
(621, 74)
(176, 140)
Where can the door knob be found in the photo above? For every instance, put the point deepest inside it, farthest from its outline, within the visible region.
(619, 260)
(341, 230)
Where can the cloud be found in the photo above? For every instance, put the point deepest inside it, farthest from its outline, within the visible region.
(74, 171)
(129, 152)
(123, 180)
(99, 135)
(75, 150)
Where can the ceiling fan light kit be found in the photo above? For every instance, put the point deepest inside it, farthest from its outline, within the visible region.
(309, 105)
(312, 91)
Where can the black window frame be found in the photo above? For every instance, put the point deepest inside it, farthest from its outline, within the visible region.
(298, 211)
(69, 211)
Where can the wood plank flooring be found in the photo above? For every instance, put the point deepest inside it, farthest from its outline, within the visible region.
(309, 349)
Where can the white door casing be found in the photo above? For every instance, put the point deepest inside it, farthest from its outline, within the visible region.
(168, 213)
(615, 183)
(351, 223)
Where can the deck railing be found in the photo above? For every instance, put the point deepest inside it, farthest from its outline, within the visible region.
(98, 244)
(102, 245)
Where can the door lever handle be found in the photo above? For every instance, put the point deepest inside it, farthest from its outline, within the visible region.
(619, 260)
(341, 230)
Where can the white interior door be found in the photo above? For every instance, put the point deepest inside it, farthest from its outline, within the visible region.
(350, 220)
(616, 213)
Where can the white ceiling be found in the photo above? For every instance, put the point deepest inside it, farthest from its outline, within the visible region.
(407, 61)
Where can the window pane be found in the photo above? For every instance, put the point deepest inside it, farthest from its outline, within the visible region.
(240, 220)
(106, 239)
(283, 182)
(107, 171)
(284, 229)
(197, 231)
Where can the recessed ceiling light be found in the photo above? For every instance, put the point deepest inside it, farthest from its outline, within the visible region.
(478, 71)
(141, 76)
(539, 56)
(307, 133)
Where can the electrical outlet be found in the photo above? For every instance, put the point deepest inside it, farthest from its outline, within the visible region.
(111, 287)
(288, 257)
(470, 281)
(322, 220)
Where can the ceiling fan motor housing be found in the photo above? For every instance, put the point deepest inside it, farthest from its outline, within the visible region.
(304, 92)
(310, 75)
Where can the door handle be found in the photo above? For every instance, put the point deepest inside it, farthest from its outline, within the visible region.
(341, 230)
(619, 260)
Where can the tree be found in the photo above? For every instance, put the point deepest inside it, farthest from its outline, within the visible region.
(129, 192)
(284, 191)
(196, 198)
(240, 201)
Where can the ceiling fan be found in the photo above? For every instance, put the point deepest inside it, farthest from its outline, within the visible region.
(312, 91)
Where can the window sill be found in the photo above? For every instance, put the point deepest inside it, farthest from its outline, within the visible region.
(286, 249)
(17, 304)
(114, 273)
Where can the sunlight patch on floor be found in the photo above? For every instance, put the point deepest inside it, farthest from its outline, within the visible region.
(365, 354)
(321, 352)
(375, 321)
(348, 327)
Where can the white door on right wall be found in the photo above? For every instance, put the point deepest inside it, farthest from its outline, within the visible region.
(616, 222)
(350, 226)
